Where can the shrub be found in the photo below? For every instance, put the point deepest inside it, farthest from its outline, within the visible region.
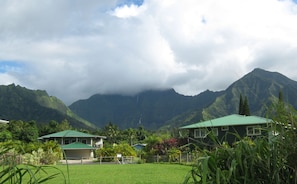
(174, 155)
(248, 161)
(111, 152)
(13, 173)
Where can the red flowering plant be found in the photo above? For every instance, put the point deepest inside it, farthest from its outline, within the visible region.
(162, 148)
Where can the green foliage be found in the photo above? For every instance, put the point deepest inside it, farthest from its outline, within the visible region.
(48, 153)
(41, 157)
(174, 154)
(54, 126)
(19, 103)
(246, 108)
(5, 135)
(240, 106)
(151, 142)
(111, 151)
(115, 135)
(124, 149)
(112, 133)
(246, 162)
(24, 131)
(12, 172)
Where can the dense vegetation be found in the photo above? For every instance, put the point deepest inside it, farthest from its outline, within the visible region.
(19, 103)
(150, 109)
(262, 160)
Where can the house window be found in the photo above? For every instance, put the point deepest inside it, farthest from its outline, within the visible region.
(66, 141)
(225, 128)
(84, 141)
(202, 133)
(253, 130)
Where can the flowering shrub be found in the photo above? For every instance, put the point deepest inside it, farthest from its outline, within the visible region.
(163, 147)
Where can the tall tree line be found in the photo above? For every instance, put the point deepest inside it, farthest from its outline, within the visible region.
(244, 108)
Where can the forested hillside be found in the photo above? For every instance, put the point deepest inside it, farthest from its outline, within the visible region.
(155, 109)
(20, 103)
(260, 87)
(150, 109)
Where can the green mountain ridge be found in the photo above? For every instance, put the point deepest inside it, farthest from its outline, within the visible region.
(20, 103)
(152, 109)
(260, 87)
(156, 109)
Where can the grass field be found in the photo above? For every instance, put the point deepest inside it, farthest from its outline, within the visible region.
(123, 174)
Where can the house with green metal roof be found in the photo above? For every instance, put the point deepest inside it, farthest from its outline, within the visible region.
(76, 145)
(225, 128)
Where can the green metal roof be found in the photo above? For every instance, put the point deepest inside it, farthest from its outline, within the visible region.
(76, 146)
(3, 121)
(69, 133)
(231, 120)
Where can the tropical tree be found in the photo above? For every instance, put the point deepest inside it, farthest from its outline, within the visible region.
(129, 135)
(141, 134)
(23, 131)
(64, 125)
(243, 107)
(240, 106)
(246, 108)
(5, 134)
(112, 132)
(285, 117)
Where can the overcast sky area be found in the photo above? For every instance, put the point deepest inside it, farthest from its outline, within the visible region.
(75, 48)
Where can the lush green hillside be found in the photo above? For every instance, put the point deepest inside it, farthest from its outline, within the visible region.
(150, 109)
(20, 103)
(260, 87)
(155, 109)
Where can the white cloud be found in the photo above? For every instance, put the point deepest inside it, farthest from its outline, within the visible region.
(74, 49)
(128, 11)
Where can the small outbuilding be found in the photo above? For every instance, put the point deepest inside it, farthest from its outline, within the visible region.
(139, 146)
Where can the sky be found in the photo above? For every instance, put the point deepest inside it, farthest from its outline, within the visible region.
(76, 48)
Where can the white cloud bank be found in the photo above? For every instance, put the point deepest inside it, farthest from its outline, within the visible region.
(74, 49)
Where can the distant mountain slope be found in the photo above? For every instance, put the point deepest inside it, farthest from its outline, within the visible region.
(260, 87)
(20, 103)
(150, 109)
(155, 109)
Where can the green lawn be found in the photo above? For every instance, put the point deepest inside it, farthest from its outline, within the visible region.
(123, 174)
